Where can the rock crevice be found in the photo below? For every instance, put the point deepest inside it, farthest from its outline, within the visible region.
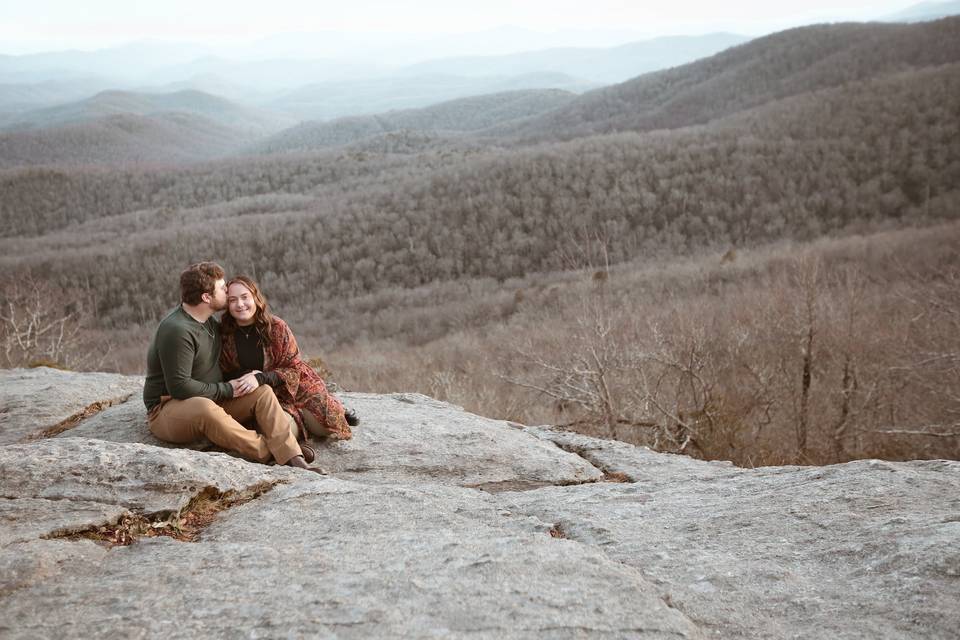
(184, 525)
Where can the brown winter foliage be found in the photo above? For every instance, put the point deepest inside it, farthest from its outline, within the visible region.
(814, 353)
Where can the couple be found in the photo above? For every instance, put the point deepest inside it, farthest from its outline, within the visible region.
(268, 385)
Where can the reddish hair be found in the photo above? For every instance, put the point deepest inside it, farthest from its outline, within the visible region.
(262, 318)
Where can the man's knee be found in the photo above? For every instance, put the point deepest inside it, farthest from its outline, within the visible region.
(201, 407)
(182, 421)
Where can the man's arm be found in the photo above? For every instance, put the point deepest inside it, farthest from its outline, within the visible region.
(176, 351)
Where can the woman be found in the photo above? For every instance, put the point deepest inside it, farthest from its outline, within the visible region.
(260, 347)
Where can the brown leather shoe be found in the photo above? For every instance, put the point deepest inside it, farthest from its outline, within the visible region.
(309, 454)
(299, 463)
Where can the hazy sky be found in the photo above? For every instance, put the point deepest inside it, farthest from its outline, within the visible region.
(37, 25)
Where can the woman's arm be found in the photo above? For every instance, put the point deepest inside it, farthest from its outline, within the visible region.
(284, 356)
(271, 378)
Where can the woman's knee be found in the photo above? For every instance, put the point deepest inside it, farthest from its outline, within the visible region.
(314, 426)
(263, 396)
(262, 390)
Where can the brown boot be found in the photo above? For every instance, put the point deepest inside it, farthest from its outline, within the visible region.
(300, 463)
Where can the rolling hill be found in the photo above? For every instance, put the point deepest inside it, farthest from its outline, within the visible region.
(329, 100)
(848, 158)
(167, 138)
(461, 115)
(826, 130)
(198, 103)
(17, 98)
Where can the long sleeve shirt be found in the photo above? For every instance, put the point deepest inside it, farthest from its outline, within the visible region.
(250, 357)
(183, 360)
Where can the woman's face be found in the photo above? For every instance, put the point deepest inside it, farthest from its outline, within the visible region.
(240, 304)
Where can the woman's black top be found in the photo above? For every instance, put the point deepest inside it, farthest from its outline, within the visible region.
(250, 356)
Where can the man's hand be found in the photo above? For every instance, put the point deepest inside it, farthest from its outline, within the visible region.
(244, 384)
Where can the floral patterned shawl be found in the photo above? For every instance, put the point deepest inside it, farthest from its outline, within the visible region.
(301, 388)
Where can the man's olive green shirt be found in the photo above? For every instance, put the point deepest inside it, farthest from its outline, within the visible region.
(184, 360)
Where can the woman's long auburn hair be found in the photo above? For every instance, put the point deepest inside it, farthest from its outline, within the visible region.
(262, 318)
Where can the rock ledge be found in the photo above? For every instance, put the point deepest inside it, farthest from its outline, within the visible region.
(438, 523)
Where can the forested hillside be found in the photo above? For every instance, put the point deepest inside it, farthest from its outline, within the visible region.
(165, 139)
(866, 155)
(774, 67)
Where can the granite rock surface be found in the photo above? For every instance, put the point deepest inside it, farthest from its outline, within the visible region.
(403, 436)
(436, 523)
(33, 400)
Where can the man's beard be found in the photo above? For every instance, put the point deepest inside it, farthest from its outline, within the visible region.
(216, 305)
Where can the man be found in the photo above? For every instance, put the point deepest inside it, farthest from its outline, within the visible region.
(184, 393)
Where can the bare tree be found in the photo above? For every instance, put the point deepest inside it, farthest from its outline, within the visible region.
(807, 283)
(40, 325)
(931, 358)
(587, 366)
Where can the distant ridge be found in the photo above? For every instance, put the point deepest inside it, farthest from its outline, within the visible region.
(603, 65)
(106, 103)
(121, 139)
(461, 115)
(926, 11)
(774, 67)
(115, 62)
(19, 97)
(329, 100)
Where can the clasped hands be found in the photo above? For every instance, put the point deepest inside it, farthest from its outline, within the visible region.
(244, 384)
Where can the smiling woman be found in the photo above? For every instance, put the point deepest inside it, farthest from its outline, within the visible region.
(259, 349)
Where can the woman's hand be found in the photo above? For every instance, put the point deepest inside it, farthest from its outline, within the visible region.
(245, 384)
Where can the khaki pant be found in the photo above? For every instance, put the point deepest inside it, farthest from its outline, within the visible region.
(184, 421)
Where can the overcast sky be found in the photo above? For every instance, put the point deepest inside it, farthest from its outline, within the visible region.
(28, 26)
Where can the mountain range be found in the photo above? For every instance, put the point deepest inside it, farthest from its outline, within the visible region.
(926, 11)
(325, 88)
(771, 68)
(274, 85)
(769, 79)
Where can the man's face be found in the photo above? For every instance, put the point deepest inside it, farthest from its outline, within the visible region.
(218, 301)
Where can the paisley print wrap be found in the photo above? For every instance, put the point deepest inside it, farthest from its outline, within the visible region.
(301, 388)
